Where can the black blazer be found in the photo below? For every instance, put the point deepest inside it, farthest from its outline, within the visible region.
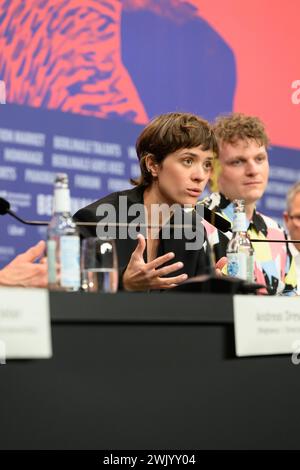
(195, 261)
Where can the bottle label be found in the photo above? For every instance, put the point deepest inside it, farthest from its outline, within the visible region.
(237, 265)
(70, 261)
(240, 222)
(62, 202)
(250, 268)
(51, 258)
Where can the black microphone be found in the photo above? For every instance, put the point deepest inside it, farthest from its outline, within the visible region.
(225, 226)
(5, 209)
(213, 218)
(210, 216)
(4, 206)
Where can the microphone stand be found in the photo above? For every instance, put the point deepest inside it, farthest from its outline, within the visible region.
(27, 222)
(257, 240)
(124, 224)
(205, 283)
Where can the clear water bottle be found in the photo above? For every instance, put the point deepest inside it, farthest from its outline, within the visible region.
(63, 244)
(240, 253)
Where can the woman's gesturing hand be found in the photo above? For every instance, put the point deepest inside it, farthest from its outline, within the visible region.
(141, 276)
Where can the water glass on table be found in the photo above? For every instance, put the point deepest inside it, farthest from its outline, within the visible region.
(99, 266)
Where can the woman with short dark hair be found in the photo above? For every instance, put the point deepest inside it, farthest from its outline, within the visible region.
(176, 153)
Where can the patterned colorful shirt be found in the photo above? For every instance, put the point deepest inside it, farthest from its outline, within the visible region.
(274, 263)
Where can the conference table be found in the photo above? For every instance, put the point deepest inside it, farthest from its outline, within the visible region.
(148, 371)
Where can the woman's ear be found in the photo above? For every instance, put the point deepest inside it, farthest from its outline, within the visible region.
(152, 165)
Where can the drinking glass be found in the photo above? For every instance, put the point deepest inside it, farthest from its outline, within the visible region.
(99, 266)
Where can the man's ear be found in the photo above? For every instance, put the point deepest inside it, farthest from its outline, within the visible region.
(213, 180)
(285, 217)
(152, 165)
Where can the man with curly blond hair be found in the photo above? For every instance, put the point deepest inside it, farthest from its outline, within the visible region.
(242, 172)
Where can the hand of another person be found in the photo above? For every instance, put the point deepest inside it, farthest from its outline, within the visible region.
(141, 276)
(22, 271)
(220, 265)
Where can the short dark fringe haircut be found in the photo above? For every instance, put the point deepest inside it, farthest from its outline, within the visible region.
(168, 133)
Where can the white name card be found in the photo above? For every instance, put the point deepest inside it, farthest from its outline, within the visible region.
(25, 329)
(266, 325)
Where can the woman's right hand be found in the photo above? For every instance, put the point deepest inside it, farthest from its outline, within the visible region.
(141, 276)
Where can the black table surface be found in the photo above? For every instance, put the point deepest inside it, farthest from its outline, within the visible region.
(148, 371)
(141, 308)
